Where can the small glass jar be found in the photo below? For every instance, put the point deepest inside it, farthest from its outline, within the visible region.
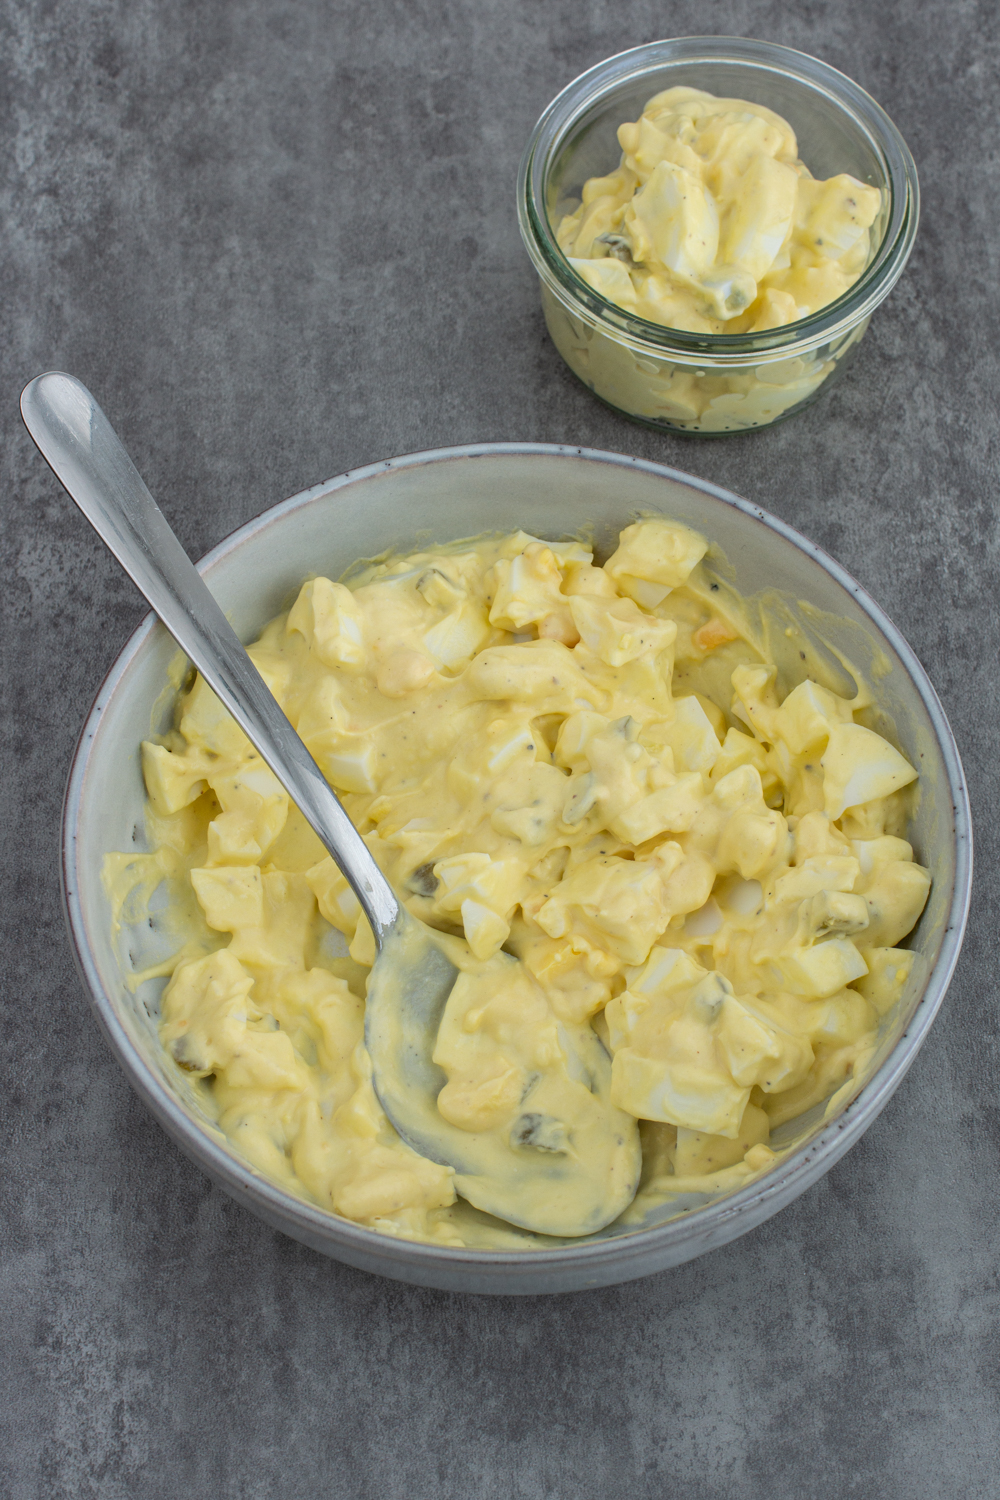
(699, 383)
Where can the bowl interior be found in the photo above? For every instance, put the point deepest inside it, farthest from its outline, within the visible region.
(552, 493)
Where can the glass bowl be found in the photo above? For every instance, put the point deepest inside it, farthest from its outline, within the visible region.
(708, 384)
(256, 573)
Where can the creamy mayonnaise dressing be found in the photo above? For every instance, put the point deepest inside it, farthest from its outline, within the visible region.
(587, 769)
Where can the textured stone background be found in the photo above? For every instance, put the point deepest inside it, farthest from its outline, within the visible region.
(278, 241)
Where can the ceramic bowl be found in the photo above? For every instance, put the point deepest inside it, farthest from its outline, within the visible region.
(551, 492)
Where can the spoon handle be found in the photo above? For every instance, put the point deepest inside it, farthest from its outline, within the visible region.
(87, 456)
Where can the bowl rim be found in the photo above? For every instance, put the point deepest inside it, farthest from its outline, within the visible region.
(827, 323)
(762, 1196)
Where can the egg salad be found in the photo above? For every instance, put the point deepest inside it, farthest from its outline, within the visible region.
(590, 782)
(711, 224)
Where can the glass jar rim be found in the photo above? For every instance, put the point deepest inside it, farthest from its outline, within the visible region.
(820, 327)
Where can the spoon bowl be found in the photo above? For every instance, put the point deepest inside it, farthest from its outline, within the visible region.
(555, 1171)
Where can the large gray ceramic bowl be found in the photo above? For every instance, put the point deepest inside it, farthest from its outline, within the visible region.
(551, 492)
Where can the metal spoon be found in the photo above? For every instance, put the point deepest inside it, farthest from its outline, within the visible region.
(412, 977)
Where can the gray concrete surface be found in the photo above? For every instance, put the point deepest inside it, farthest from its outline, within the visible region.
(278, 240)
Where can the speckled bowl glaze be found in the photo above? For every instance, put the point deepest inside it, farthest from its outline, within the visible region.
(552, 492)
